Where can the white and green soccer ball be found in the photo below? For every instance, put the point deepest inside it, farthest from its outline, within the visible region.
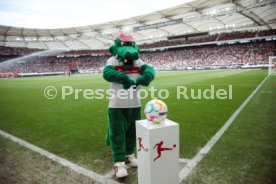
(156, 111)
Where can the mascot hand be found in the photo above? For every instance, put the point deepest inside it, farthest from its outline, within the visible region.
(128, 83)
(144, 79)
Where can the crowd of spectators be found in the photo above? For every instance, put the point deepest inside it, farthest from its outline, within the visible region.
(212, 55)
(266, 32)
(237, 35)
(56, 64)
(210, 38)
(74, 53)
(16, 51)
(165, 43)
(179, 58)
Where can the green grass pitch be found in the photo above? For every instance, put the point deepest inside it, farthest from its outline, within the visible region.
(75, 128)
(246, 152)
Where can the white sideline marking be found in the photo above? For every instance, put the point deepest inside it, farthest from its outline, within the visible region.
(109, 174)
(194, 161)
(95, 176)
(181, 160)
(184, 160)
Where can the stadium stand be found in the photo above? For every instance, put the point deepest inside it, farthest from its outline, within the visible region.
(196, 57)
(16, 51)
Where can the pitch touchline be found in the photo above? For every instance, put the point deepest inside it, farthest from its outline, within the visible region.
(95, 176)
(194, 161)
(184, 160)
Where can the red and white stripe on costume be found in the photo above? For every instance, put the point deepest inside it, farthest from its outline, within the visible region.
(128, 70)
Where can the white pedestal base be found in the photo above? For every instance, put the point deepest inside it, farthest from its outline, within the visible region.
(157, 152)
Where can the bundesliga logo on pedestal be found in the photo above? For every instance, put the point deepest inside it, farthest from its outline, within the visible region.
(156, 111)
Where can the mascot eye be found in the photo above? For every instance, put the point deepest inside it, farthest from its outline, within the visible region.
(128, 44)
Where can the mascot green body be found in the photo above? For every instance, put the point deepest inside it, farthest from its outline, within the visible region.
(125, 71)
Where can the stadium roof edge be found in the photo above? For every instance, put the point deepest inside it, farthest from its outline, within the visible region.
(195, 16)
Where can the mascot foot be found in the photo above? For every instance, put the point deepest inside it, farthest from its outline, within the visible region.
(120, 170)
(131, 160)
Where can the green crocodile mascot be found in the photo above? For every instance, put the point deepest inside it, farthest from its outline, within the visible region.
(126, 73)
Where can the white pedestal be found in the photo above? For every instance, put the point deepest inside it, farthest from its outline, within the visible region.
(157, 152)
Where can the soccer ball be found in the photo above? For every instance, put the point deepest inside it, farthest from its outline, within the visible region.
(156, 111)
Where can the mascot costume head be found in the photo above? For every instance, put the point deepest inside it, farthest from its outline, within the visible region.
(125, 50)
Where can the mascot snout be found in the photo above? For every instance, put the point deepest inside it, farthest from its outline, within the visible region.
(128, 53)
